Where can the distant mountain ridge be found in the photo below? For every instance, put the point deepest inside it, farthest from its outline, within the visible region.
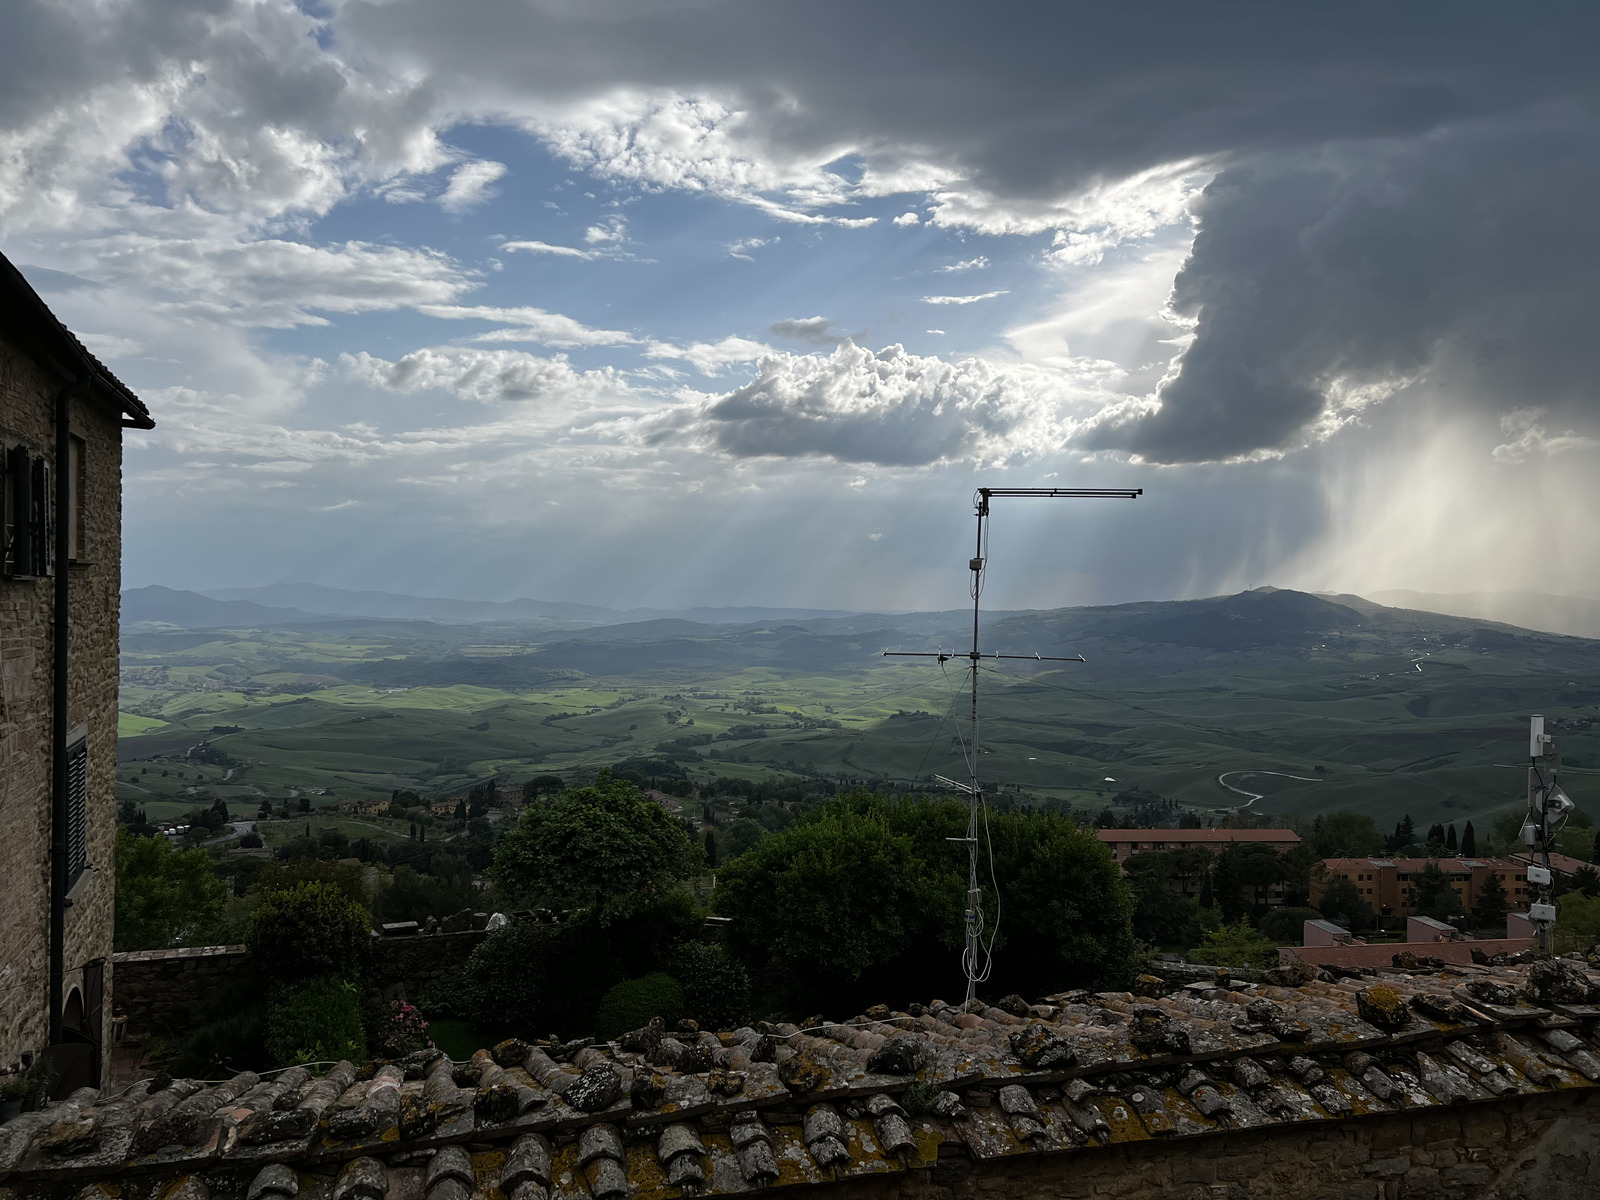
(299, 603)
(1576, 616)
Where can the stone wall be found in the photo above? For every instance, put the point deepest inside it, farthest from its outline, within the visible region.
(27, 400)
(161, 989)
(1543, 1147)
(421, 961)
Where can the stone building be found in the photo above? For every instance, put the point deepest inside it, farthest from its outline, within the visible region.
(1477, 1082)
(61, 420)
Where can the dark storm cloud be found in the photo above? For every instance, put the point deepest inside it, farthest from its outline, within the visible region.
(1469, 256)
(1400, 192)
(1028, 100)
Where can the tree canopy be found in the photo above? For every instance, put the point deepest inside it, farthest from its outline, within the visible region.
(867, 889)
(164, 895)
(602, 848)
(1347, 835)
(1435, 896)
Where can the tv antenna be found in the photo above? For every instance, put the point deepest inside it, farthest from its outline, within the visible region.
(1548, 810)
(977, 959)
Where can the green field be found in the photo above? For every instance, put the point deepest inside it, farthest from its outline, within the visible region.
(1379, 713)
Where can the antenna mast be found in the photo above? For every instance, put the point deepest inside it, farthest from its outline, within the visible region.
(1548, 807)
(976, 961)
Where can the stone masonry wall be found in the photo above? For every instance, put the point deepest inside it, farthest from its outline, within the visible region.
(27, 397)
(420, 962)
(1522, 1148)
(161, 989)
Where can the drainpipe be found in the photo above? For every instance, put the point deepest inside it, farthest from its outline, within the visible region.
(58, 693)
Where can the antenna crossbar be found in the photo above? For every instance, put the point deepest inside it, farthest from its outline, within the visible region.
(944, 656)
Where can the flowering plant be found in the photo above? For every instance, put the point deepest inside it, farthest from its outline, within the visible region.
(408, 1028)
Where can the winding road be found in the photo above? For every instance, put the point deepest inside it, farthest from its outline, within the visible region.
(1254, 796)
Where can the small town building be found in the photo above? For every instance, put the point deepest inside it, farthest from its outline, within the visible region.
(62, 414)
(1389, 884)
(1124, 843)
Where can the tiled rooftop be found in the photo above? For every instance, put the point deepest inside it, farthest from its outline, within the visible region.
(662, 1114)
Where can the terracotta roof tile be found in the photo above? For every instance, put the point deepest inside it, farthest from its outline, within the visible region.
(793, 1107)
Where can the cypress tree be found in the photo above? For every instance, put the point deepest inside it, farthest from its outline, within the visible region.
(1450, 839)
(711, 849)
(1469, 842)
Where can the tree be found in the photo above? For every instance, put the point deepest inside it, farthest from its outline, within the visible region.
(541, 785)
(163, 895)
(1405, 834)
(817, 905)
(1347, 835)
(1489, 909)
(461, 810)
(1469, 842)
(309, 930)
(711, 849)
(1236, 945)
(1450, 839)
(1286, 926)
(1260, 867)
(415, 896)
(1225, 884)
(866, 893)
(604, 848)
(1343, 904)
(1587, 881)
(1577, 923)
(1434, 896)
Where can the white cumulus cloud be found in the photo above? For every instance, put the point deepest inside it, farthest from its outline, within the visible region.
(963, 299)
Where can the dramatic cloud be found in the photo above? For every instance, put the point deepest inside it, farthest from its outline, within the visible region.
(891, 408)
(1258, 246)
(1320, 283)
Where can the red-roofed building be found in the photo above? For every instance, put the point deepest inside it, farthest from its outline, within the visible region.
(1389, 884)
(1124, 843)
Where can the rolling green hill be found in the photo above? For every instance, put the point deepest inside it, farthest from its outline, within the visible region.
(1310, 702)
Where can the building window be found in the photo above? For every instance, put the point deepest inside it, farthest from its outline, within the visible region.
(77, 811)
(28, 541)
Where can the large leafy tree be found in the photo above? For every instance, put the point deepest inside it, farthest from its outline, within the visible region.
(164, 895)
(815, 906)
(604, 849)
(1343, 903)
(867, 894)
(1347, 835)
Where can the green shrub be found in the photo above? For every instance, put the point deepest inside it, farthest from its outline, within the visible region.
(219, 1045)
(716, 987)
(309, 930)
(1236, 945)
(633, 1002)
(1286, 926)
(317, 1021)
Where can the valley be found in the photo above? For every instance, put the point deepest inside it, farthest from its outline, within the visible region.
(1308, 703)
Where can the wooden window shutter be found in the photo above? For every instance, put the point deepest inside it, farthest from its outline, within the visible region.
(77, 810)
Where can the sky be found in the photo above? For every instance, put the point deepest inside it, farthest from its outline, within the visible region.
(680, 302)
